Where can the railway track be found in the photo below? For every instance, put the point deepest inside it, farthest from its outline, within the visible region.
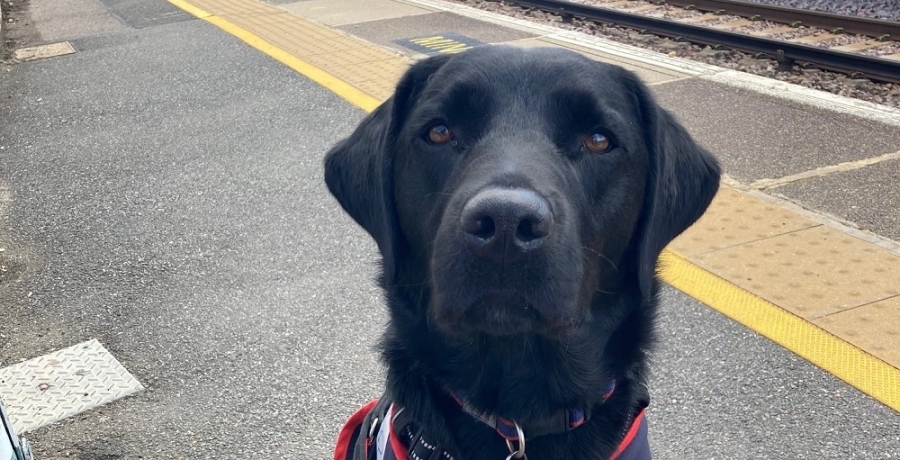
(847, 44)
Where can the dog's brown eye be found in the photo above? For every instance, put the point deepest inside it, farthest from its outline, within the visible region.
(597, 143)
(439, 134)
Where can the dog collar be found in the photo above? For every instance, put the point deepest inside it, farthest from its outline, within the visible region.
(560, 422)
(373, 434)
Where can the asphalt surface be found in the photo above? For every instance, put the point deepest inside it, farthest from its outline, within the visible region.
(751, 137)
(167, 200)
(868, 197)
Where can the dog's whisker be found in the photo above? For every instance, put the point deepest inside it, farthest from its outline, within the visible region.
(409, 285)
(614, 266)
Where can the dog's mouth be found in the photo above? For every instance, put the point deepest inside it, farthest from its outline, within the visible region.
(502, 312)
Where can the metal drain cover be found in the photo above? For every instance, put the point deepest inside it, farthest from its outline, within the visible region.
(61, 384)
(43, 51)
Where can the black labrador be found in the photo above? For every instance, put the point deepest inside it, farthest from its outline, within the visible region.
(520, 199)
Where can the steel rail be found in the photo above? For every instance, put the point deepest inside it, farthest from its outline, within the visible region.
(783, 51)
(821, 19)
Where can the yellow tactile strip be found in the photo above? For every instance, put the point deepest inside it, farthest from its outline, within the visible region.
(328, 49)
(812, 272)
(735, 218)
(788, 277)
(874, 327)
(847, 360)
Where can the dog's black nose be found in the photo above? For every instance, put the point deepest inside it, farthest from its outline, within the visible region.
(504, 223)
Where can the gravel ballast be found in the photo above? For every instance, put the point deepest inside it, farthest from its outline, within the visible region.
(878, 9)
(887, 94)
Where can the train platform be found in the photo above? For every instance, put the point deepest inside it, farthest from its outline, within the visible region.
(780, 339)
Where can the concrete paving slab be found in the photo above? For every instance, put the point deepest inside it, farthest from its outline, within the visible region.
(385, 32)
(874, 327)
(343, 12)
(759, 137)
(868, 197)
(59, 20)
(735, 218)
(649, 74)
(829, 271)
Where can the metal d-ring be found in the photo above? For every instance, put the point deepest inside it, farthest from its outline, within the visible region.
(517, 453)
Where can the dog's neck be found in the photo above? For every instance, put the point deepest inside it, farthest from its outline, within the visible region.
(525, 379)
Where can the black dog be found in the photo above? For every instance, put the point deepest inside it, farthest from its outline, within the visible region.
(520, 200)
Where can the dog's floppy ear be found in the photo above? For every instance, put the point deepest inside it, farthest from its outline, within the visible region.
(683, 179)
(358, 170)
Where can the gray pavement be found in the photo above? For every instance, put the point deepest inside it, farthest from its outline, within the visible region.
(167, 200)
(751, 132)
(868, 197)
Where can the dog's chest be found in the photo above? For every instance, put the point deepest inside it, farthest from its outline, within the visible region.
(384, 442)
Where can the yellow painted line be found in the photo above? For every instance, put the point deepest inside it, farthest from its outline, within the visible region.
(869, 374)
(343, 89)
(433, 40)
(190, 9)
(842, 359)
(441, 44)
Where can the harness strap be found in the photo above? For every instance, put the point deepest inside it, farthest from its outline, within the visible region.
(366, 436)
(420, 448)
(636, 445)
(358, 434)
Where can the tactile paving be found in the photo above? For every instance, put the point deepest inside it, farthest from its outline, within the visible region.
(347, 58)
(812, 272)
(377, 88)
(235, 7)
(874, 327)
(369, 68)
(286, 27)
(736, 218)
(61, 384)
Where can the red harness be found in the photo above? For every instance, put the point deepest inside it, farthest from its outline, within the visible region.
(387, 445)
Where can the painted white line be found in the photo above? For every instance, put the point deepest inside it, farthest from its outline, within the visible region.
(763, 184)
(49, 388)
(756, 83)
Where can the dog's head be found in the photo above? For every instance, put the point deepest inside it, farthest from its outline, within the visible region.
(515, 188)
